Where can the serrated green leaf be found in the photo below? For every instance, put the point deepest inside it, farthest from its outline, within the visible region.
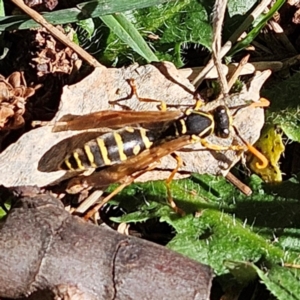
(165, 28)
(242, 271)
(289, 239)
(285, 108)
(229, 226)
(281, 282)
(215, 237)
(196, 29)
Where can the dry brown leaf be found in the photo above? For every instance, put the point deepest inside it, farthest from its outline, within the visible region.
(13, 96)
(52, 56)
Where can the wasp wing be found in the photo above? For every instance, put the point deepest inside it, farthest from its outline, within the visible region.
(113, 119)
(119, 172)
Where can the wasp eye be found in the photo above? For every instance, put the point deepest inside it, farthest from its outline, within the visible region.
(222, 122)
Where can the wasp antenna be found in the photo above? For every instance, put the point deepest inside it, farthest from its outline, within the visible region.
(263, 160)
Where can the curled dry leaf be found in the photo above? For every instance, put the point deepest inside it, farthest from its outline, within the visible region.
(52, 56)
(40, 5)
(100, 91)
(13, 96)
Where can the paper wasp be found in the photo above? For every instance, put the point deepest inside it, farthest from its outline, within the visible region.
(122, 154)
(118, 145)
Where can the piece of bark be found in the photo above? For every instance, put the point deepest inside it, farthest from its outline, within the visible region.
(43, 247)
(19, 162)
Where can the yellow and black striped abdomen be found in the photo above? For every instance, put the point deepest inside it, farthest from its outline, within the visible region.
(110, 148)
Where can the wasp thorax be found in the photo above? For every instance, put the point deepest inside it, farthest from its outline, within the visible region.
(200, 124)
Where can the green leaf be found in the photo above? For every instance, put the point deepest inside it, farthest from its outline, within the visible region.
(147, 211)
(229, 226)
(256, 30)
(165, 28)
(282, 282)
(237, 7)
(129, 35)
(285, 107)
(289, 239)
(3, 212)
(215, 237)
(88, 25)
(83, 11)
(242, 271)
(2, 10)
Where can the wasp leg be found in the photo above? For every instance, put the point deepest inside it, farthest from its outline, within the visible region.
(209, 146)
(162, 105)
(128, 181)
(248, 147)
(168, 185)
(198, 104)
(199, 101)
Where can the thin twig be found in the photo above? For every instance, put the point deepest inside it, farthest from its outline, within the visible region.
(88, 202)
(227, 46)
(245, 189)
(57, 34)
(249, 68)
(283, 38)
(237, 71)
(219, 13)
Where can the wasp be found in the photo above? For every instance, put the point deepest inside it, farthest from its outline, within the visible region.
(131, 141)
(117, 146)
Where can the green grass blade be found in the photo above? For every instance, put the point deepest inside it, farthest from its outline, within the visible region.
(256, 30)
(2, 11)
(126, 31)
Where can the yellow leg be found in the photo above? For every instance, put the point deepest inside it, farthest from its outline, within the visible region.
(162, 106)
(168, 185)
(199, 101)
(209, 146)
(198, 104)
(248, 147)
(129, 180)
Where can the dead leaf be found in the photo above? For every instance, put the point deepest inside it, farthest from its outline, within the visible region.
(13, 96)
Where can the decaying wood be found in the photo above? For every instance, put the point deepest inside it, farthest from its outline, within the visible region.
(19, 162)
(44, 247)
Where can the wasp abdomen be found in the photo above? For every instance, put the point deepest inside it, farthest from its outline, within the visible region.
(110, 148)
